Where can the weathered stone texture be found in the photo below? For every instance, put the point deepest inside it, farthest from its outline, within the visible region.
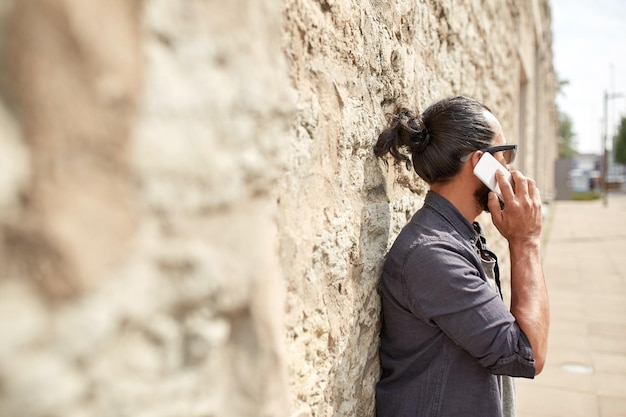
(351, 62)
(193, 221)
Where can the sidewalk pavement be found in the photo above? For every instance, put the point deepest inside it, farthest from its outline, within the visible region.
(585, 267)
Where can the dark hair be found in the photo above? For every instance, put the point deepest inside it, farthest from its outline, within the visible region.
(438, 138)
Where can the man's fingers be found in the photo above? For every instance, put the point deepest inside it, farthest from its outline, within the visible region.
(533, 191)
(493, 203)
(521, 183)
(505, 187)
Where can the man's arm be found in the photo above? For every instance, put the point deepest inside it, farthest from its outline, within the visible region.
(520, 223)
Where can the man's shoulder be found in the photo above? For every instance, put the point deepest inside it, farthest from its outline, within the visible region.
(427, 242)
(427, 227)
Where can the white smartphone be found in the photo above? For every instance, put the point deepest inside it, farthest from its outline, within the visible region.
(486, 169)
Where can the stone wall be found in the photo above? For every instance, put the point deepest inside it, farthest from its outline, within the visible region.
(193, 222)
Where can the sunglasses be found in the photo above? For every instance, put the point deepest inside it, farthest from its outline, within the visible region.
(508, 152)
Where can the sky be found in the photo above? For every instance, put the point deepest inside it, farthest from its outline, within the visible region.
(589, 48)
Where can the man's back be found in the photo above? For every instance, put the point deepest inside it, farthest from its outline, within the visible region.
(445, 330)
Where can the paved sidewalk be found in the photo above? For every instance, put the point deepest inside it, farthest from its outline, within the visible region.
(585, 267)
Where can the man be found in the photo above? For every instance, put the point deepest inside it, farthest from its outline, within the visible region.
(449, 345)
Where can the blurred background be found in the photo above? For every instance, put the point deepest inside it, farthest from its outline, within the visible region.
(591, 68)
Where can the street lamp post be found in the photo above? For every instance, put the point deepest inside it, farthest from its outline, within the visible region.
(605, 154)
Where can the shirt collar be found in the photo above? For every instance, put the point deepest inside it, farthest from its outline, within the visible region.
(471, 232)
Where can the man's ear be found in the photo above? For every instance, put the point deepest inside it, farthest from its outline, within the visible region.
(476, 157)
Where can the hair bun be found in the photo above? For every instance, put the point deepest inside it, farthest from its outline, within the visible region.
(425, 140)
(411, 129)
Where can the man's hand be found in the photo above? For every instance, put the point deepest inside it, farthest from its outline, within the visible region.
(520, 219)
(520, 223)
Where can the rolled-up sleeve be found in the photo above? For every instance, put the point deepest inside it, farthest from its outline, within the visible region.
(444, 288)
(519, 364)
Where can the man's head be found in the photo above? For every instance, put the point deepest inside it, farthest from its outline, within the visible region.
(437, 139)
(441, 141)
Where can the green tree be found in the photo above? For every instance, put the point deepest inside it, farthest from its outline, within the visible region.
(620, 143)
(567, 143)
(560, 85)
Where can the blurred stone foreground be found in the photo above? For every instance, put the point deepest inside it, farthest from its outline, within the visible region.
(193, 222)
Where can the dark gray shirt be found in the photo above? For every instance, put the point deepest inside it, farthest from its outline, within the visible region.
(446, 332)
